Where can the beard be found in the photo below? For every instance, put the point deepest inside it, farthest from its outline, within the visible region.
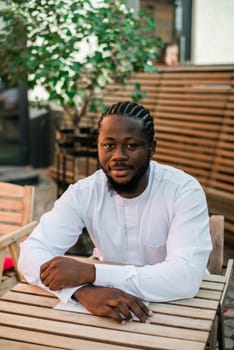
(131, 185)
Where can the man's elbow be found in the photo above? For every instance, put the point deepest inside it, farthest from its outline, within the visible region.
(186, 282)
(190, 291)
(24, 266)
(190, 288)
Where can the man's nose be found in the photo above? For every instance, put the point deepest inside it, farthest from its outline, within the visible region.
(120, 152)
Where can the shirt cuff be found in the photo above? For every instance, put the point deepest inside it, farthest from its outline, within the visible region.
(113, 276)
(65, 294)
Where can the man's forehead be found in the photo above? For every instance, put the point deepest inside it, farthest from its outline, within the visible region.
(122, 129)
(122, 120)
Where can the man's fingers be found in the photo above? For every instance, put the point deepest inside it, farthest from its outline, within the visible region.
(45, 266)
(45, 274)
(47, 282)
(54, 262)
(55, 286)
(115, 314)
(144, 308)
(141, 310)
(139, 313)
(52, 283)
(126, 308)
(124, 311)
(45, 270)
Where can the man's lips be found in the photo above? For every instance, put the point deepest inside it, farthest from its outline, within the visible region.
(120, 167)
(121, 170)
(120, 173)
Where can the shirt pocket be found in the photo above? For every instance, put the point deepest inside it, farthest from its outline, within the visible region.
(154, 253)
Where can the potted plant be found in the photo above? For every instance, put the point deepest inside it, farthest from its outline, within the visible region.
(74, 49)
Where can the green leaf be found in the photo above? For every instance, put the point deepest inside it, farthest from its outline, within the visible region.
(68, 32)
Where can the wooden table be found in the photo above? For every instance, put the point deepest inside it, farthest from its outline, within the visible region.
(29, 321)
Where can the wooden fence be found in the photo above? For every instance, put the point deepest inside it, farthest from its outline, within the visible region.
(193, 109)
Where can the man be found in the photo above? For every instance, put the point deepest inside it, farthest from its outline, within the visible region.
(149, 219)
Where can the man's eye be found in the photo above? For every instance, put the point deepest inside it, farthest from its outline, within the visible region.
(108, 146)
(131, 146)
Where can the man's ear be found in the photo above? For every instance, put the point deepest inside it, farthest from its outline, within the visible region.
(153, 147)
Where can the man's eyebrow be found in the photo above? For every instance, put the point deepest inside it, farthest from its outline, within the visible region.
(113, 138)
(108, 138)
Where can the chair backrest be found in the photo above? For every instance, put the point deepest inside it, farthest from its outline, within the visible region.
(16, 206)
(215, 263)
(215, 266)
(16, 209)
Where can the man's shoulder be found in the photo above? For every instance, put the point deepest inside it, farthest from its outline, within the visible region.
(171, 175)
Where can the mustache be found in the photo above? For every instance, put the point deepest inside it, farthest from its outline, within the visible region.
(123, 166)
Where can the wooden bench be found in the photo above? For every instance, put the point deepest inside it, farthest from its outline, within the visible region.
(193, 108)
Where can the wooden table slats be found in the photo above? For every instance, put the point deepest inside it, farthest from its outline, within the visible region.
(180, 310)
(30, 299)
(29, 321)
(52, 340)
(209, 294)
(16, 345)
(214, 278)
(103, 335)
(212, 286)
(159, 326)
(196, 303)
(30, 289)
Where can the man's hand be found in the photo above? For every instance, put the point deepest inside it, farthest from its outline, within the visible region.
(62, 272)
(112, 302)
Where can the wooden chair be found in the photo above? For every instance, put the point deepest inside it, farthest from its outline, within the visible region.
(215, 266)
(16, 208)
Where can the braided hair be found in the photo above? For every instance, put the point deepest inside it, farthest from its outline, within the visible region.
(132, 110)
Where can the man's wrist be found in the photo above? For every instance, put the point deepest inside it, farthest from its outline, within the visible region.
(92, 273)
(75, 295)
(91, 277)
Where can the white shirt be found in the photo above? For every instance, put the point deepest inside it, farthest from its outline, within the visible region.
(162, 235)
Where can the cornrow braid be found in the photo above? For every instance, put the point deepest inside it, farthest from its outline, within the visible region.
(132, 110)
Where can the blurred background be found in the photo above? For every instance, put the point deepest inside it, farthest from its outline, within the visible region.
(203, 31)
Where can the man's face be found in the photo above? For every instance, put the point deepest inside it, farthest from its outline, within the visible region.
(124, 154)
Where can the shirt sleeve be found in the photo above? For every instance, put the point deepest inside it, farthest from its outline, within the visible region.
(188, 248)
(57, 231)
